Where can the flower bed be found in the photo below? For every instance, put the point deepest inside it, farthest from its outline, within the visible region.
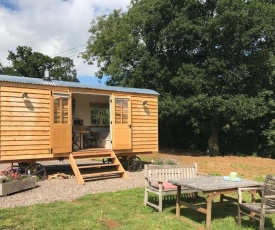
(17, 185)
(13, 180)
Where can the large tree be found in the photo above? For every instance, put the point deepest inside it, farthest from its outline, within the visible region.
(5, 70)
(211, 61)
(27, 63)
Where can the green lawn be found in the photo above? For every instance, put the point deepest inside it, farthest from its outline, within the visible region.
(119, 210)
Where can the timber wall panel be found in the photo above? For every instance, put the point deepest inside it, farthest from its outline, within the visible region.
(0, 119)
(25, 123)
(144, 124)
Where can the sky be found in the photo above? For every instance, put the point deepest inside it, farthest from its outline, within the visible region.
(53, 27)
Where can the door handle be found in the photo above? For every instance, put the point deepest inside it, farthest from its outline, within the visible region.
(130, 126)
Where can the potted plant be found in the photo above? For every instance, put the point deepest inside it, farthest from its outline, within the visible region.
(11, 181)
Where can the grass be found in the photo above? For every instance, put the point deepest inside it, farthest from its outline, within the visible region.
(118, 210)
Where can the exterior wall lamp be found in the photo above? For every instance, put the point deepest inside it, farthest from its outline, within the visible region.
(24, 95)
(145, 103)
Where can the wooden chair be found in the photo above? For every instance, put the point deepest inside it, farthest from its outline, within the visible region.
(76, 140)
(88, 139)
(157, 177)
(258, 211)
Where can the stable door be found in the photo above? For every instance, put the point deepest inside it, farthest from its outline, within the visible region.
(61, 127)
(121, 123)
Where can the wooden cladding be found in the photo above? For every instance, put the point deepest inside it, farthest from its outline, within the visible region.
(144, 124)
(24, 123)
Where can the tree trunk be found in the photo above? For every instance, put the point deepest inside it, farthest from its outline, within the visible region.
(213, 141)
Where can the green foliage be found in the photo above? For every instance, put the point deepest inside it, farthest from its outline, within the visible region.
(62, 68)
(160, 161)
(211, 61)
(269, 133)
(216, 174)
(27, 63)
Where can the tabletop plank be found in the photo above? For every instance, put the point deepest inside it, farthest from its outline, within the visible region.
(214, 183)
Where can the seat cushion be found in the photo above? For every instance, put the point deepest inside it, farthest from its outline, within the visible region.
(166, 185)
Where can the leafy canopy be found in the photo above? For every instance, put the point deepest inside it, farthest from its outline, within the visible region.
(211, 61)
(27, 63)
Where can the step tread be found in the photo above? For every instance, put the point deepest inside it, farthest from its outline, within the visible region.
(94, 158)
(101, 174)
(91, 155)
(97, 166)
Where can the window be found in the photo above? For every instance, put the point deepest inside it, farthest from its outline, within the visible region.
(100, 116)
(61, 110)
(121, 111)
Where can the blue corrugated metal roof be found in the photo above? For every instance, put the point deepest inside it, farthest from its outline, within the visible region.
(39, 81)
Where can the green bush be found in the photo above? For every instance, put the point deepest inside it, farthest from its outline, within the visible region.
(160, 161)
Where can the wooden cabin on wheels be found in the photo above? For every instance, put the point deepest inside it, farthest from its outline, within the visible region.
(43, 119)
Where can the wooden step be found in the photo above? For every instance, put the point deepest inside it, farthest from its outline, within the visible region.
(91, 155)
(101, 174)
(105, 170)
(97, 166)
(91, 151)
(100, 158)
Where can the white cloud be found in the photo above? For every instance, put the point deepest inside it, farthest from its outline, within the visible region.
(51, 26)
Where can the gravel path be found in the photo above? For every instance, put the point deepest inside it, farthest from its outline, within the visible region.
(67, 189)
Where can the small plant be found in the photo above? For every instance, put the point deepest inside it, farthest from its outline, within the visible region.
(160, 161)
(12, 174)
(215, 174)
(157, 161)
(170, 162)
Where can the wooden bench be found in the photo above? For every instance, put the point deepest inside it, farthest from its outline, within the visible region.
(157, 177)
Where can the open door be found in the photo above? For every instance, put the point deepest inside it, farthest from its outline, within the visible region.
(61, 128)
(121, 123)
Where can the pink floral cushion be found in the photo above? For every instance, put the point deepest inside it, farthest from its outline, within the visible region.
(166, 185)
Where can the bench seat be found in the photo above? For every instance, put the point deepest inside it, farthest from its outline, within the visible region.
(157, 177)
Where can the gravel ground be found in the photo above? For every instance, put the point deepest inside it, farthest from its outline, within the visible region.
(67, 189)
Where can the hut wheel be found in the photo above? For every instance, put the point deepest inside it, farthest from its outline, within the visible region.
(134, 164)
(37, 170)
(23, 166)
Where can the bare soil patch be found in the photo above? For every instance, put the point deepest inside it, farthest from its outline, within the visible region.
(110, 223)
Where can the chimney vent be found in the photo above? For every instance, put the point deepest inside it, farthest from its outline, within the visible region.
(47, 75)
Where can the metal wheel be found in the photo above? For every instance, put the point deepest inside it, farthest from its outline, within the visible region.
(134, 164)
(23, 166)
(37, 170)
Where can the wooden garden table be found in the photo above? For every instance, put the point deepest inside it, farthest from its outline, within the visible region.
(211, 186)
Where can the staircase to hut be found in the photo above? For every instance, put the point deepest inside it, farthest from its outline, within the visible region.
(94, 164)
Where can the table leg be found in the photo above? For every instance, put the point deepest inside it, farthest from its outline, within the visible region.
(81, 140)
(210, 199)
(253, 195)
(221, 197)
(253, 199)
(178, 201)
